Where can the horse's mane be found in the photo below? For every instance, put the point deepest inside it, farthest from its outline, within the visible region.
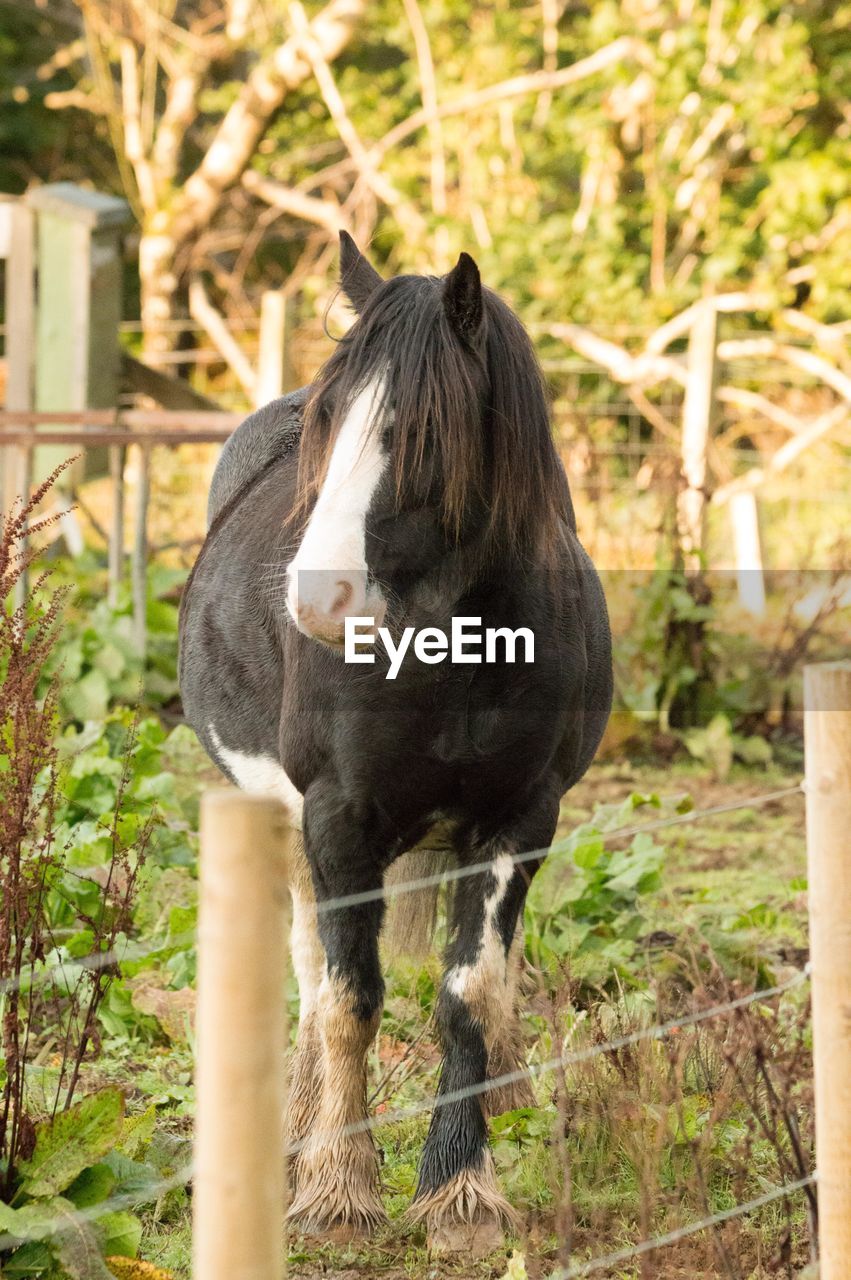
(491, 432)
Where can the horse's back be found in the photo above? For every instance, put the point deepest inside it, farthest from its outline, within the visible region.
(267, 435)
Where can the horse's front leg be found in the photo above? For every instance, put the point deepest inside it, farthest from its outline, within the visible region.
(458, 1197)
(336, 1167)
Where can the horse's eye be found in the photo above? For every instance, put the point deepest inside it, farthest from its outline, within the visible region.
(387, 439)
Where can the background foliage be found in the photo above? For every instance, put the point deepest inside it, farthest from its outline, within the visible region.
(713, 149)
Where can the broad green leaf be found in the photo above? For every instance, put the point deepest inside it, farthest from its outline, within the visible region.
(29, 1222)
(88, 698)
(588, 851)
(110, 660)
(752, 750)
(72, 1141)
(31, 1260)
(133, 1179)
(137, 1133)
(119, 1233)
(91, 1187)
(75, 1245)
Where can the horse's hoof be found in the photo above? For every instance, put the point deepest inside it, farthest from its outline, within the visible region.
(475, 1239)
(336, 1193)
(340, 1233)
(467, 1214)
(324, 1214)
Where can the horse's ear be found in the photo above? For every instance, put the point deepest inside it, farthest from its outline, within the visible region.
(462, 298)
(357, 276)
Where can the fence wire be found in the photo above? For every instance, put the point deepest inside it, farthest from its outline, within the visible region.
(560, 846)
(657, 1032)
(681, 1233)
(570, 1057)
(45, 976)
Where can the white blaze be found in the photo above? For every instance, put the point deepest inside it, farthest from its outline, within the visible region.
(330, 564)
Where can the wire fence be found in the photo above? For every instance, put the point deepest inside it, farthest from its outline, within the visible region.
(571, 1056)
(129, 951)
(157, 1189)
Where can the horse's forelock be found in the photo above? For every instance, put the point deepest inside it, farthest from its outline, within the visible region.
(484, 412)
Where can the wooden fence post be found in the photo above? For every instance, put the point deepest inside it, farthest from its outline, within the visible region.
(698, 410)
(17, 462)
(274, 363)
(77, 353)
(140, 552)
(827, 742)
(239, 1183)
(117, 459)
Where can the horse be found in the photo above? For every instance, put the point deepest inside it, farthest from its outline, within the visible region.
(414, 483)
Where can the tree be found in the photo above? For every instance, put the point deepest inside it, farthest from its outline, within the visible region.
(603, 162)
(35, 141)
(189, 91)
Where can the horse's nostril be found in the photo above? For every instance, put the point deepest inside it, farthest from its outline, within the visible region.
(345, 592)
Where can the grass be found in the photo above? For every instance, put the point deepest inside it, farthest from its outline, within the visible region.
(654, 1137)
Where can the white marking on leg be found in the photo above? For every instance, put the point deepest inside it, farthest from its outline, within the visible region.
(489, 967)
(336, 1170)
(261, 776)
(308, 953)
(328, 575)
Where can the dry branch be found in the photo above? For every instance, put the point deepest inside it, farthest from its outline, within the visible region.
(213, 322)
(680, 324)
(367, 168)
(134, 147)
(619, 50)
(784, 456)
(264, 91)
(328, 214)
(806, 361)
(753, 401)
(428, 92)
(181, 109)
(644, 369)
(832, 337)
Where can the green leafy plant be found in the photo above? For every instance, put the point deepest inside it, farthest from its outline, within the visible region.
(667, 651)
(58, 1212)
(718, 746)
(59, 930)
(97, 654)
(138, 768)
(585, 905)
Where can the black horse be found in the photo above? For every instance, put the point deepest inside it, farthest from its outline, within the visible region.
(415, 482)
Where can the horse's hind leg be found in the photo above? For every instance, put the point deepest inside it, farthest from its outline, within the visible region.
(507, 1055)
(336, 1166)
(458, 1197)
(308, 960)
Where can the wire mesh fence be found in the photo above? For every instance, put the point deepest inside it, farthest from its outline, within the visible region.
(570, 1057)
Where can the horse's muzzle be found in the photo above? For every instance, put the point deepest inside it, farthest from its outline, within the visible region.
(320, 600)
